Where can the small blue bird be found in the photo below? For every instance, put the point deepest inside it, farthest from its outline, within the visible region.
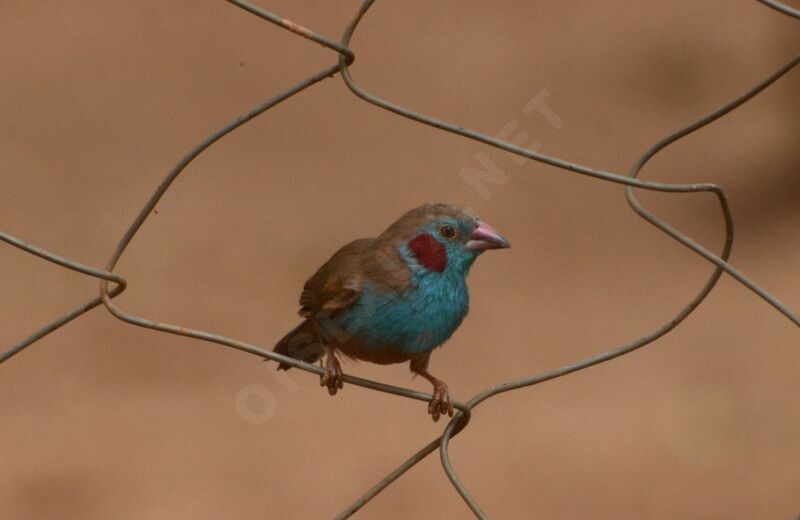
(393, 298)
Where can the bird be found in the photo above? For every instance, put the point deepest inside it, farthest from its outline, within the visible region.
(394, 298)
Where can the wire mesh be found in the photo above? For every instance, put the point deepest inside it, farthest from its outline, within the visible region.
(345, 58)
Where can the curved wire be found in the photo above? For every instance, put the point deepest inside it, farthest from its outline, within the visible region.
(462, 418)
(785, 9)
(346, 53)
(664, 329)
(719, 261)
(566, 165)
(71, 315)
(180, 167)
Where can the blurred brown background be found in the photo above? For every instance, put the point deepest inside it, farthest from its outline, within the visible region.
(104, 420)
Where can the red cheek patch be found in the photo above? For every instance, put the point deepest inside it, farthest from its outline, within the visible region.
(429, 252)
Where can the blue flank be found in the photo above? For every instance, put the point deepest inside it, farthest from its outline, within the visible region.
(426, 314)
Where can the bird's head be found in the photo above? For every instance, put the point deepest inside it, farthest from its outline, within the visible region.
(443, 237)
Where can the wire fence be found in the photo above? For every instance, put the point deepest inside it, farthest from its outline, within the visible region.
(345, 58)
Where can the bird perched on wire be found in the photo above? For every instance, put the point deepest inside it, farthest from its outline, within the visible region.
(393, 298)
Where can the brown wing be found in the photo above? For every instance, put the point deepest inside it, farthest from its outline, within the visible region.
(337, 284)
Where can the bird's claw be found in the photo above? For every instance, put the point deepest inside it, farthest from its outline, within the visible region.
(333, 376)
(440, 403)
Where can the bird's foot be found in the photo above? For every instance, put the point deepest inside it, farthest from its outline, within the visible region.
(332, 377)
(440, 403)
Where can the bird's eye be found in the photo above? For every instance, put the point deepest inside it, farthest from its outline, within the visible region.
(447, 231)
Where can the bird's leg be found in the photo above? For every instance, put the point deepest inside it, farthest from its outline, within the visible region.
(440, 403)
(332, 377)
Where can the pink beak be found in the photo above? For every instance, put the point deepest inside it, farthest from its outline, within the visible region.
(486, 237)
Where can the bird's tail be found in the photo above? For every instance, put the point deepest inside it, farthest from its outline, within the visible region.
(302, 342)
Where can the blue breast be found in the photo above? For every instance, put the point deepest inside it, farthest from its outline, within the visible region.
(414, 321)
